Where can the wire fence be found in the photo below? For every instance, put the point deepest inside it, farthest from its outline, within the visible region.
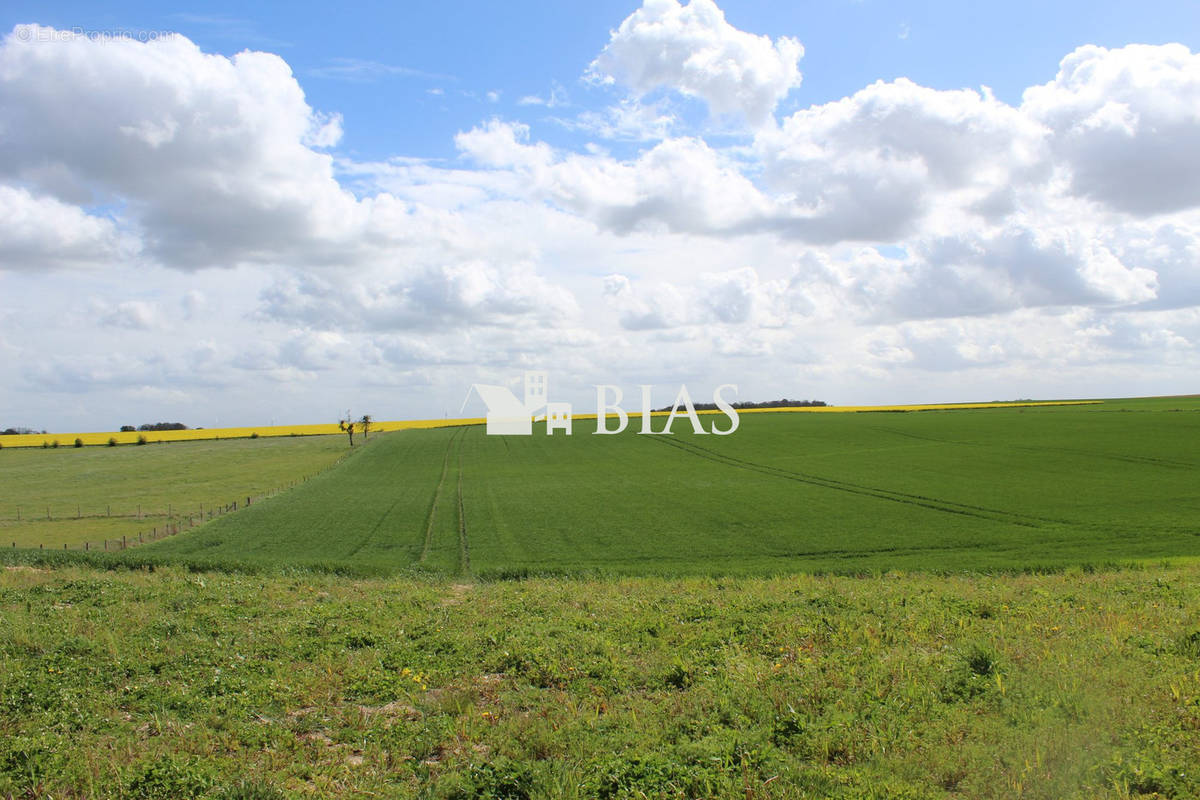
(169, 522)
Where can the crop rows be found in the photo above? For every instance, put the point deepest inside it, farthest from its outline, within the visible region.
(987, 489)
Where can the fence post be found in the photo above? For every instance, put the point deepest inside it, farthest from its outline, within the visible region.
(47, 512)
(18, 513)
(85, 546)
(139, 510)
(122, 541)
(108, 511)
(77, 514)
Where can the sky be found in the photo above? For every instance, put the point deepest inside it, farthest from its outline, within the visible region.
(277, 213)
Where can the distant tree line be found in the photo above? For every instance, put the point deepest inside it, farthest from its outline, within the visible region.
(18, 431)
(784, 403)
(155, 426)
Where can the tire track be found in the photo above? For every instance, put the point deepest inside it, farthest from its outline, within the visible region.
(1153, 461)
(932, 503)
(437, 494)
(918, 436)
(1166, 463)
(369, 536)
(464, 550)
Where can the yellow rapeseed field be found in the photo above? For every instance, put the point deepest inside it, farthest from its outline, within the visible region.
(131, 437)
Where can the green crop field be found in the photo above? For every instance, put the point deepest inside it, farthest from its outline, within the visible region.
(71, 495)
(941, 490)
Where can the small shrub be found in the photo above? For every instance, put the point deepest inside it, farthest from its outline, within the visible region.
(981, 662)
(112, 441)
(254, 435)
(169, 779)
(28, 758)
(78, 442)
(141, 439)
(653, 775)
(789, 730)
(1143, 773)
(973, 676)
(502, 779)
(679, 677)
(45, 445)
(1189, 645)
(55, 444)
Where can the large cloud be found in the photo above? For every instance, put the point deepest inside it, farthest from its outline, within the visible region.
(211, 155)
(434, 299)
(1127, 124)
(736, 297)
(693, 50)
(680, 185)
(41, 232)
(872, 166)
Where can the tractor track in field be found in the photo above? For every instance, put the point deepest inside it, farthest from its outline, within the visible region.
(437, 493)
(1151, 461)
(908, 435)
(932, 503)
(365, 539)
(464, 550)
(1166, 463)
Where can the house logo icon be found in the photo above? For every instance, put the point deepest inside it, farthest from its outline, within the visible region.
(508, 416)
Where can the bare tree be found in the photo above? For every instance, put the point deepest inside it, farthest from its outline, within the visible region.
(347, 425)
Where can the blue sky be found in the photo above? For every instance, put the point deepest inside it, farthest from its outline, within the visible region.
(375, 63)
(289, 209)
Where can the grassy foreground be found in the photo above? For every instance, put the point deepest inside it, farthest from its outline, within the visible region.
(173, 684)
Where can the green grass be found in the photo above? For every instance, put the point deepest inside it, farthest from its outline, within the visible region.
(733, 672)
(105, 486)
(175, 684)
(997, 489)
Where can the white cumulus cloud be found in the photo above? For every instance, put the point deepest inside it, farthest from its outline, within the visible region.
(41, 232)
(694, 50)
(1126, 123)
